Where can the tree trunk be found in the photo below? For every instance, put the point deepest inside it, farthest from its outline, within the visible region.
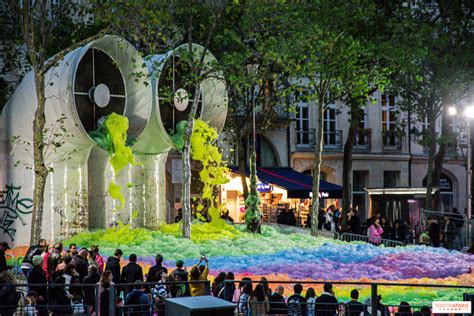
(40, 169)
(241, 161)
(446, 137)
(186, 162)
(318, 150)
(347, 163)
(431, 154)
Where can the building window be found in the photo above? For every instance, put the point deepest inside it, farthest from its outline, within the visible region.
(391, 179)
(359, 183)
(390, 136)
(331, 135)
(304, 135)
(363, 134)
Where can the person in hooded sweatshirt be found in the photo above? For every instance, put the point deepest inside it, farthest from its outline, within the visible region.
(113, 265)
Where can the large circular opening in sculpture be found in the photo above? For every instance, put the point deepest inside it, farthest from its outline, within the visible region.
(99, 88)
(176, 92)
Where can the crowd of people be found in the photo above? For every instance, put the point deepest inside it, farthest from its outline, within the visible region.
(68, 281)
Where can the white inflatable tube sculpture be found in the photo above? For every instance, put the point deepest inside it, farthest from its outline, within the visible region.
(89, 83)
(147, 196)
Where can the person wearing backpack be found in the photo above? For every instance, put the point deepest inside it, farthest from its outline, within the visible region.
(179, 275)
(137, 301)
(296, 302)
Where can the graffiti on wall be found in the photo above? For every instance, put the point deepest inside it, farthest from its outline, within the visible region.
(13, 208)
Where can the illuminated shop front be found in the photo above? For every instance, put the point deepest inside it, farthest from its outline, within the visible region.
(280, 188)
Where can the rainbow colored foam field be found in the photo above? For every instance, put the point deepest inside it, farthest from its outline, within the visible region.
(280, 255)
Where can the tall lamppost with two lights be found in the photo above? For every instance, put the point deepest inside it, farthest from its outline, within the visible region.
(468, 114)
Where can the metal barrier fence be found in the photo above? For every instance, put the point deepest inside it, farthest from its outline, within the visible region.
(116, 299)
(354, 237)
(327, 308)
(91, 299)
(312, 307)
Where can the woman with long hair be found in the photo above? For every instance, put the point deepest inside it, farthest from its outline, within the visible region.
(310, 301)
(264, 282)
(238, 291)
(197, 289)
(375, 232)
(105, 281)
(244, 299)
(97, 257)
(218, 283)
(231, 286)
(259, 301)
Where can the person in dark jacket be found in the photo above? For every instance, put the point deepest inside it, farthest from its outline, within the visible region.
(404, 309)
(354, 307)
(398, 232)
(434, 231)
(448, 230)
(113, 265)
(277, 302)
(353, 222)
(9, 297)
(60, 299)
(54, 259)
(37, 282)
(296, 302)
(93, 277)
(27, 263)
(218, 284)
(327, 304)
(152, 275)
(3, 260)
(137, 301)
(321, 218)
(387, 228)
(131, 272)
(81, 264)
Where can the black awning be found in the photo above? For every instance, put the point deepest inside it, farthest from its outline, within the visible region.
(297, 184)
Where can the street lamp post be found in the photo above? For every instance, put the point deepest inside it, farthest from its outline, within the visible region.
(468, 115)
